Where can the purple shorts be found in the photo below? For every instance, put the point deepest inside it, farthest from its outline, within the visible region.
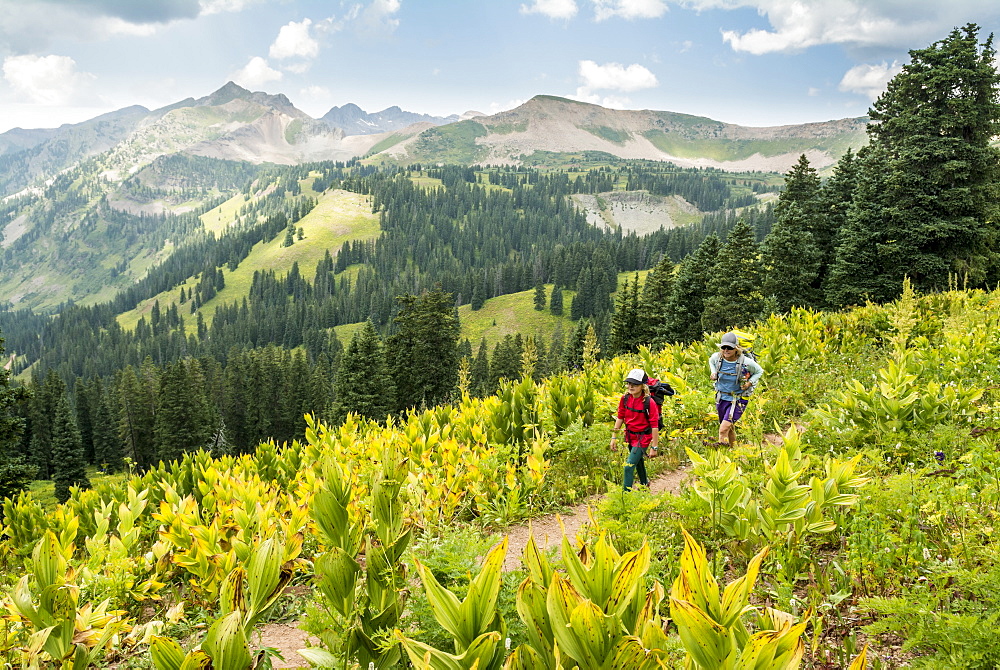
(722, 408)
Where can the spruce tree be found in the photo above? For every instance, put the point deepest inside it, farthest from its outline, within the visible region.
(791, 261)
(836, 196)
(505, 363)
(423, 353)
(15, 473)
(43, 402)
(656, 292)
(478, 296)
(556, 301)
(935, 124)
(108, 453)
(682, 319)
(733, 290)
(858, 272)
(182, 422)
(85, 417)
(539, 296)
(362, 384)
(624, 335)
(68, 466)
(479, 372)
(555, 354)
(572, 358)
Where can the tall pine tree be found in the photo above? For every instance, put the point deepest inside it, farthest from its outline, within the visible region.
(791, 261)
(68, 465)
(15, 472)
(733, 290)
(362, 385)
(933, 130)
(423, 353)
(682, 317)
(656, 292)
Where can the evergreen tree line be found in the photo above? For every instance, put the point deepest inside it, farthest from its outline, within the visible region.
(919, 202)
(149, 413)
(143, 415)
(552, 244)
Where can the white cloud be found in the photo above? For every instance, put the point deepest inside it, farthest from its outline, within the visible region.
(554, 9)
(256, 73)
(869, 80)
(615, 76)
(294, 41)
(378, 18)
(800, 24)
(219, 6)
(629, 9)
(47, 80)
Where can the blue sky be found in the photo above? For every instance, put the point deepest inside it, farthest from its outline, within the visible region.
(751, 62)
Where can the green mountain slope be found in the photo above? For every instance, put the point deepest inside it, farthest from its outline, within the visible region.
(338, 217)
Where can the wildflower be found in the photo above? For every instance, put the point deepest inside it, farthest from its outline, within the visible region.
(939, 455)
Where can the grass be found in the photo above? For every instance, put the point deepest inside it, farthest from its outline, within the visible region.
(511, 314)
(619, 137)
(338, 217)
(389, 142)
(729, 150)
(43, 490)
(454, 143)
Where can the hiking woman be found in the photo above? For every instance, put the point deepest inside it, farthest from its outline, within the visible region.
(640, 417)
(735, 376)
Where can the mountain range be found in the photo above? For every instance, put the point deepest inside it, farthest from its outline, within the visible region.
(236, 124)
(87, 209)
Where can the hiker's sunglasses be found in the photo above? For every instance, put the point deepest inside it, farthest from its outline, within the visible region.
(727, 348)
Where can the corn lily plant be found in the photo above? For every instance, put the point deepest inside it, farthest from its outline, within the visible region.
(247, 593)
(711, 624)
(63, 633)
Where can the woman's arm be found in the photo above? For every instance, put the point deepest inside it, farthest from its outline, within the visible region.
(614, 433)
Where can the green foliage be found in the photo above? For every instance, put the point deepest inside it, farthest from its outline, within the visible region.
(682, 317)
(928, 187)
(453, 143)
(614, 135)
(68, 467)
(422, 355)
(15, 476)
(733, 286)
(360, 385)
(898, 402)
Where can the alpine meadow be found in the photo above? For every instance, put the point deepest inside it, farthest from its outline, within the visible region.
(263, 371)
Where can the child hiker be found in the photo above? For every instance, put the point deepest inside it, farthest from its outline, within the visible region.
(735, 376)
(640, 417)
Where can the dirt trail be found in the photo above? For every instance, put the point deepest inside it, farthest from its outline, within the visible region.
(287, 638)
(548, 533)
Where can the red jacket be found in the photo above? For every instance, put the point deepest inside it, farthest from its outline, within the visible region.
(632, 411)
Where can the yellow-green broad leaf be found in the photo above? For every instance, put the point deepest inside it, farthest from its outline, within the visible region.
(166, 654)
(707, 642)
(477, 655)
(629, 654)
(320, 658)
(861, 661)
(226, 643)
